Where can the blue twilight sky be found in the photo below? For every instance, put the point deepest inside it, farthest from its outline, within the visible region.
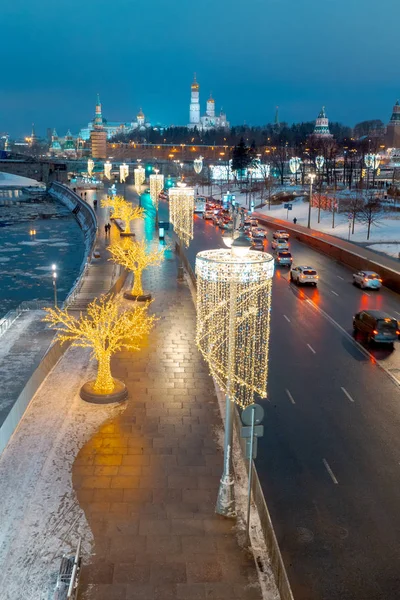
(300, 54)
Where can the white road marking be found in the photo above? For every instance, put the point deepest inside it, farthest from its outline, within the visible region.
(287, 318)
(290, 397)
(334, 293)
(397, 313)
(330, 471)
(342, 278)
(366, 293)
(312, 349)
(346, 393)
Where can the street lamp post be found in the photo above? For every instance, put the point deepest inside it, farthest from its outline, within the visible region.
(312, 177)
(54, 271)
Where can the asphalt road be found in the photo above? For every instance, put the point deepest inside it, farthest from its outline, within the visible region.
(329, 461)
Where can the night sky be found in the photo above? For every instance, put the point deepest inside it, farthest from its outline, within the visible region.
(253, 55)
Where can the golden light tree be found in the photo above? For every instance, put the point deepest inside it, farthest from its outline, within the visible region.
(123, 210)
(106, 330)
(136, 257)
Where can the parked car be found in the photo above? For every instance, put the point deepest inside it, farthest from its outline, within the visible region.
(283, 258)
(304, 275)
(367, 279)
(279, 244)
(280, 234)
(376, 326)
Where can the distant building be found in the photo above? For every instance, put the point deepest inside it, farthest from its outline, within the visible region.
(114, 127)
(98, 135)
(321, 129)
(209, 120)
(393, 128)
(55, 146)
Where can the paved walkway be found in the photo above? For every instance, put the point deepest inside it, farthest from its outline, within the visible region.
(148, 479)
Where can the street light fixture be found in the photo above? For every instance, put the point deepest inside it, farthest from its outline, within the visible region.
(312, 177)
(54, 271)
(156, 186)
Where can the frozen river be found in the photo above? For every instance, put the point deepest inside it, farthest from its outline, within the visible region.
(25, 259)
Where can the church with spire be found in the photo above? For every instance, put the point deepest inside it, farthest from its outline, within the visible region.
(208, 121)
(113, 127)
(321, 129)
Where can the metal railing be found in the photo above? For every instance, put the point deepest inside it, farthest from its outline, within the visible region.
(12, 315)
(68, 576)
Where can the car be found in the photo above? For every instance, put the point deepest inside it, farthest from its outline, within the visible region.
(304, 275)
(376, 326)
(257, 244)
(215, 219)
(367, 279)
(280, 234)
(279, 244)
(283, 258)
(258, 232)
(208, 215)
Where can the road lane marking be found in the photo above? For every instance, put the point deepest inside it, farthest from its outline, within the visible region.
(312, 349)
(334, 293)
(335, 481)
(287, 318)
(346, 393)
(366, 293)
(342, 278)
(290, 397)
(397, 313)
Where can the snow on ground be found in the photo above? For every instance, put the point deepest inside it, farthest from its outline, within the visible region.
(8, 180)
(390, 249)
(386, 230)
(39, 513)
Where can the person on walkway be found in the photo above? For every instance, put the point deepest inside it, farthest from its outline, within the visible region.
(109, 228)
(105, 229)
(295, 220)
(94, 203)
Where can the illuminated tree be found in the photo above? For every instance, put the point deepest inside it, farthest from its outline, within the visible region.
(106, 330)
(123, 210)
(136, 257)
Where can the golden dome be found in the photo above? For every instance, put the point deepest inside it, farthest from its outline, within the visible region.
(195, 85)
(140, 114)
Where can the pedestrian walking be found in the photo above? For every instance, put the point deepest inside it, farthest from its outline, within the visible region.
(109, 228)
(105, 229)
(94, 203)
(295, 220)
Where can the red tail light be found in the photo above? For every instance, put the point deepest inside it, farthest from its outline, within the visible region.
(375, 332)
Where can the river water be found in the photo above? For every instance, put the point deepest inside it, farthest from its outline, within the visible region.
(25, 259)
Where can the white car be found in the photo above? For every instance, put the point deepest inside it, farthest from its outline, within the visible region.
(257, 232)
(367, 279)
(304, 275)
(208, 214)
(278, 244)
(280, 234)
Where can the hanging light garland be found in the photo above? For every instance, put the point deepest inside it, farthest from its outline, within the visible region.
(140, 177)
(107, 169)
(294, 164)
(181, 210)
(156, 186)
(319, 162)
(198, 164)
(233, 320)
(123, 172)
(90, 167)
(372, 161)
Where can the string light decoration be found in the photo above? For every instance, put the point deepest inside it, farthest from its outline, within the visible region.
(198, 164)
(140, 176)
(107, 169)
(123, 172)
(106, 330)
(233, 320)
(136, 257)
(181, 210)
(294, 164)
(123, 210)
(156, 186)
(319, 162)
(90, 167)
(372, 161)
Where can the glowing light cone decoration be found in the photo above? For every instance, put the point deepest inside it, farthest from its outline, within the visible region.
(104, 329)
(181, 210)
(372, 161)
(90, 167)
(140, 176)
(156, 186)
(319, 162)
(233, 320)
(136, 257)
(198, 164)
(294, 164)
(107, 169)
(123, 210)
(123, 172)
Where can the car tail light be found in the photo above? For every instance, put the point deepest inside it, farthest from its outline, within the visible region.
(375, 332)
(380, 280)
(397, 332)
(365, 278)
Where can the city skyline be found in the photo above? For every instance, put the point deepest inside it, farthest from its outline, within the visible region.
(258, 59)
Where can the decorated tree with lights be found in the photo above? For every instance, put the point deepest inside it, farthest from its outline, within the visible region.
(136, 257)
(123, 210)
(105, 329)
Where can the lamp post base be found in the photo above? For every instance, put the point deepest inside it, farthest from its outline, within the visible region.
(226, 498)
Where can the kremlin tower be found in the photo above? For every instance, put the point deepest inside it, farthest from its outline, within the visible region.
(55, 146)
(194, 111)
(321, 129)
(393, 128)
(209, 120)
(98, 136)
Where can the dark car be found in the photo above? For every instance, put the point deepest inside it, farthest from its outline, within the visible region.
(376, 326)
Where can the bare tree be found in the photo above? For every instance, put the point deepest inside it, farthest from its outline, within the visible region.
(279, 159)
(356, 205)
(371, 213)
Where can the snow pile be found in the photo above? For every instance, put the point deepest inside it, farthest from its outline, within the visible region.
(39, 513)
(8, 180)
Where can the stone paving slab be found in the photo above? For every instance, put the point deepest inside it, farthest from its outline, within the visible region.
(148, 479)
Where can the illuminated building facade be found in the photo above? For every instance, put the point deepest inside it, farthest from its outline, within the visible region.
(210, 120)
(393, 128)
(113, 127)
(98, 135)
(321, 129)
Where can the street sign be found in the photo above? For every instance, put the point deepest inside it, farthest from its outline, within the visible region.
(248, 411)
(251, 446)
(288, 206)
(245, 432)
